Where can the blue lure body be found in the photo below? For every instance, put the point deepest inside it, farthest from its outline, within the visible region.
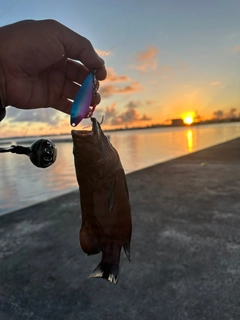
(82, 101)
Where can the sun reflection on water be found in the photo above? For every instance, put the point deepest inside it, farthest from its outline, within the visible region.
(190, 140)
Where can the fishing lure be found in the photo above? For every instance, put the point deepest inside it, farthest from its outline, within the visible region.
(82, 101)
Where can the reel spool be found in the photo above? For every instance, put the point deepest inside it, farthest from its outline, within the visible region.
(42, 152)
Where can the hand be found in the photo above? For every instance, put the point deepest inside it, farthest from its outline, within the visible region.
(36, 70)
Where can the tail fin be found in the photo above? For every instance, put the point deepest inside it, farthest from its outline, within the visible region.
(108, 268)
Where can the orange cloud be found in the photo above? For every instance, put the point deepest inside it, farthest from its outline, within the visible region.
(215, 83)
(147, 54)
(112, 77)
(111, 85)
(110, 112)
(236, 49)
(109, 90)
(147, 59)
(103, 53)
(129, 116)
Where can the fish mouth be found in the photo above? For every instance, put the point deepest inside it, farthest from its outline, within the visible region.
(87, 133)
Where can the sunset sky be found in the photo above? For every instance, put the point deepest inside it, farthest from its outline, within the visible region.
(165, 59)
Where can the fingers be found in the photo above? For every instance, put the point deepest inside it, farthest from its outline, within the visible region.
(96, 100)
(79, 48)
(70, 89)
(64, 105)
(76, 72)
(101, 73)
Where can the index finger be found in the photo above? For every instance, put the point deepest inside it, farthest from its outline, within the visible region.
(80, 48)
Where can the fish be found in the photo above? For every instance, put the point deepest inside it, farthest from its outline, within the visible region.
(104, 197)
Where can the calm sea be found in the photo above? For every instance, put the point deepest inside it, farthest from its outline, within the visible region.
(23, 184)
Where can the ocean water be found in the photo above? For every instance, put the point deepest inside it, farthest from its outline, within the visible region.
(23, 184)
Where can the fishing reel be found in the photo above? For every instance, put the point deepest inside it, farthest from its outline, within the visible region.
(42, 152)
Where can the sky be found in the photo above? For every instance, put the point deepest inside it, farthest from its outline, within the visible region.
(165, 60)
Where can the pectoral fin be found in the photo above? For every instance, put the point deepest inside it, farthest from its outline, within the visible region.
(88, 240)
(127, 250)
(111, 194)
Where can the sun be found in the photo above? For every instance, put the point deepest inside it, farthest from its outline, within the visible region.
(188, 120)
(188, 117)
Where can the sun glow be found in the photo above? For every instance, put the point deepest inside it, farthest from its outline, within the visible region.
(188, 117)
(188, 120)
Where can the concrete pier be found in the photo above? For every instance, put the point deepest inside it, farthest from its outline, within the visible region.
(185, 249)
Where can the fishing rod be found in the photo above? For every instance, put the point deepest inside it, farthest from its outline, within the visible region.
(42, 152)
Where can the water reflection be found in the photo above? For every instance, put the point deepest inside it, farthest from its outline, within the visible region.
(22, 183)
(190, 140)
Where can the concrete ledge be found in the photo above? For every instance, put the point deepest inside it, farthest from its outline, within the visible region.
(185, 249)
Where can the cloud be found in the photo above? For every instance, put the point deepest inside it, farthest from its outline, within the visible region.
(133, 104)
(147, 54)
(49, 116)
(103, 53)
(215, 83)
(112, 77)
(232, 113)
(147, 59)
(126, 117)
(227, 97)
(138, 103)
(236, 49)
(109, 90)
(115, 84)
(110, 113)
(218, 114)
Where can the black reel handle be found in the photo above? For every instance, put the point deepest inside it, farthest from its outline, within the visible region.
(42, 152)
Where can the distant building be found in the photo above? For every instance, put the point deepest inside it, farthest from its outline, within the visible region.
(177, 122)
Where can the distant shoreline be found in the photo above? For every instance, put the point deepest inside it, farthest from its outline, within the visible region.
(157, 126)
(174, 126)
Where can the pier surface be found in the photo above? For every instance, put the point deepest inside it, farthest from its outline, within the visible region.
(185, 249)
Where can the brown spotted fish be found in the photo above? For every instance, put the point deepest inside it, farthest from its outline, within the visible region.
(106, 212)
